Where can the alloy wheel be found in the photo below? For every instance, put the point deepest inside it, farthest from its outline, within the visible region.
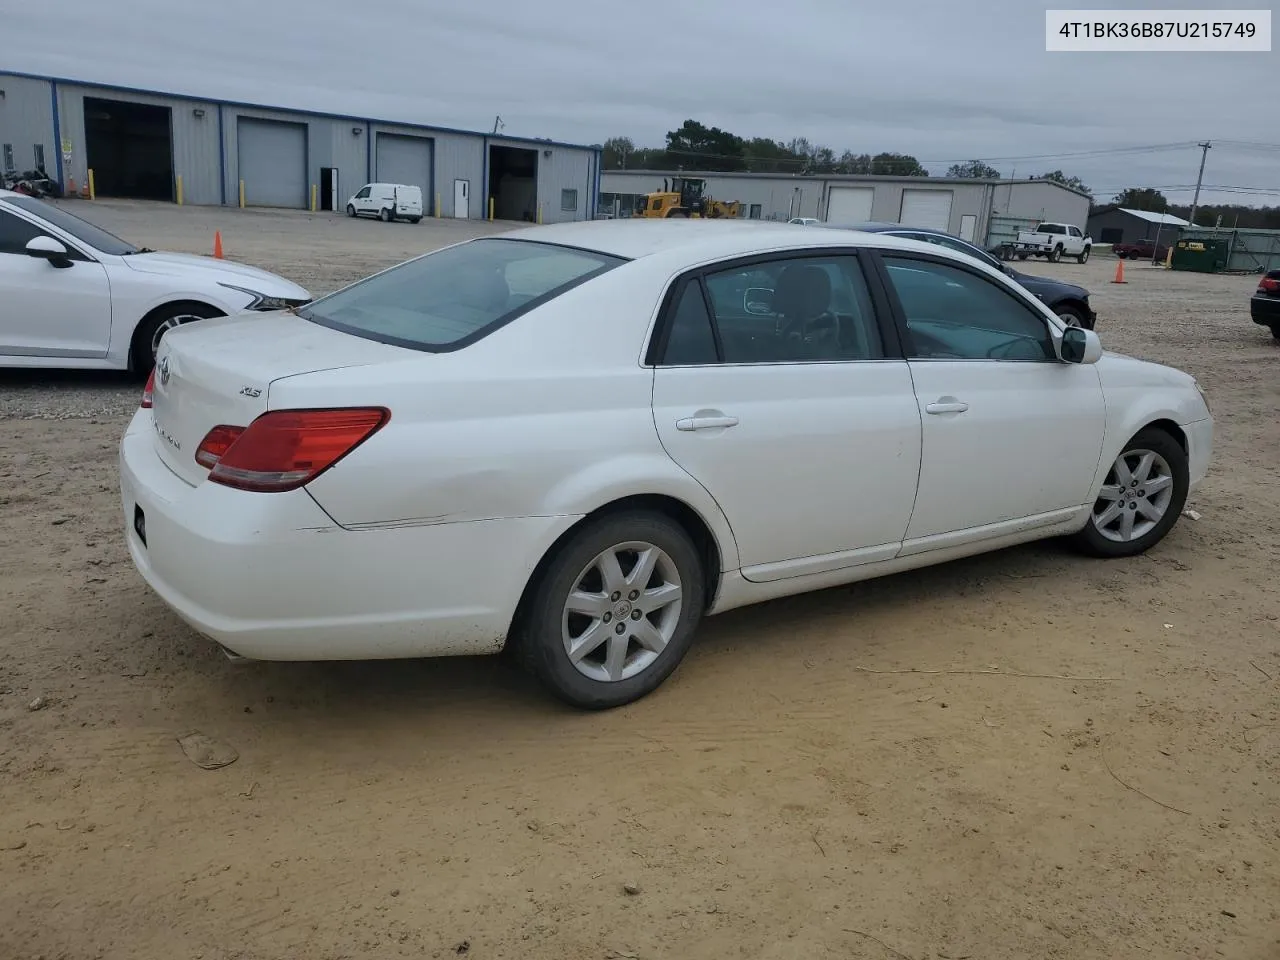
(622, 611)
(1135, 496)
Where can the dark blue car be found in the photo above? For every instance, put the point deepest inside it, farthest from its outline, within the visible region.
(1067, 300)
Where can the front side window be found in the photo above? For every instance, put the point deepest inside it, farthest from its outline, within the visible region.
(953, 314)
(82, 230)
(455, 296)
(809, 309)
(15, 233)
(364, 193)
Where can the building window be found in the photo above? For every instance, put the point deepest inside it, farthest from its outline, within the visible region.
(569, 200)
(39, 151)
(8, 158)
(755, 211)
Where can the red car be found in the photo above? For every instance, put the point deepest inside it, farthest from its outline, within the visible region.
(1264, 307)
(1140, 250)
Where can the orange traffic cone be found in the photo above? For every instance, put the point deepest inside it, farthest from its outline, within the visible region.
(1120, 273)
(217, 244)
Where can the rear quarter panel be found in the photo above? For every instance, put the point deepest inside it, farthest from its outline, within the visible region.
(550, 415)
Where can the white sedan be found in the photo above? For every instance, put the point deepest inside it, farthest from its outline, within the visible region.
(578, 439)
(73, 295)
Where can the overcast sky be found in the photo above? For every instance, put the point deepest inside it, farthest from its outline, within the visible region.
(945, 80)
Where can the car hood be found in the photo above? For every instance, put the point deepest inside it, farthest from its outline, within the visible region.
(1044, 286)
(217, 271)
(1122, 369)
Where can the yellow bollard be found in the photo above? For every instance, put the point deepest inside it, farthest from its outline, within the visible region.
(241, 194)
(437, 206)
(92, 192)
(491, 208)
(313, 198)
(178, 179)
(1168, 259)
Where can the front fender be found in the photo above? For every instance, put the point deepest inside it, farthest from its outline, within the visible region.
(1138, 404)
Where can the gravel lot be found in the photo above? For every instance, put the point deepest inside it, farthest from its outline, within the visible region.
(1026, 754)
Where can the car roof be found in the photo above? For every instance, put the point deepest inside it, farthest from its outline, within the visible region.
(637, 237)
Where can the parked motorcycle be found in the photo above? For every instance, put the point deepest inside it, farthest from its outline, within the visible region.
(33, 183)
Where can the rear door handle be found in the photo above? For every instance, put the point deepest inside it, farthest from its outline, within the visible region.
(706, 423)
(947, 405)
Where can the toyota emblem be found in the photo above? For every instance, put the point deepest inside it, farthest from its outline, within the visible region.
(164, 372)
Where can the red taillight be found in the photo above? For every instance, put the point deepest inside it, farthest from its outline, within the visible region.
(149, 390)
(284, 449)
(1269, 285)
(215, 443)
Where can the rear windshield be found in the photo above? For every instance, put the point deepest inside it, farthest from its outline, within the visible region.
(457, 295)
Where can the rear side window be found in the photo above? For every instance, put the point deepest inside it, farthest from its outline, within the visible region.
(456, 296)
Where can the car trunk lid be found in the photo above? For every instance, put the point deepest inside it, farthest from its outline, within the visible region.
(219, 372)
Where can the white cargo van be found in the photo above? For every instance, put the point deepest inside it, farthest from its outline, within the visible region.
(387, 202)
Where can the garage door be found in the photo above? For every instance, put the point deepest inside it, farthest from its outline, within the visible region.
(404, 160)
(926, 208)
(272, 162)
(849, 205)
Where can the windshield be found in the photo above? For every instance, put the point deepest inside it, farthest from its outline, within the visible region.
(453, 297)
(82, 230)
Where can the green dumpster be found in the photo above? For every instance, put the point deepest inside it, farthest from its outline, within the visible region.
(1200, 254)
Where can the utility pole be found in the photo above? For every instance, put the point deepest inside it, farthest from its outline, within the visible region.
(1195, 202)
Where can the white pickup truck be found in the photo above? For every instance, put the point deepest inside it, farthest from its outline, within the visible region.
(1054, 241)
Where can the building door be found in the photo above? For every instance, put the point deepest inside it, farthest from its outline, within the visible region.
(273, 162)
(968, 225)
(847, 206)
(405, 160)
(926, 208)
(328, 188)
(461, 199)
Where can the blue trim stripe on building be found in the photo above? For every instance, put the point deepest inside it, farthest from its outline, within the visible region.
(119, 88)
(368, 151)
(222, 157)
(57, 132)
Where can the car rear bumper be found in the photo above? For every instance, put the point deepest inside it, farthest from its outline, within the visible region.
(270, 576)
(1265, 310)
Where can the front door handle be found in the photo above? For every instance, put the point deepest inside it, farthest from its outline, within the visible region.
(947, 405)
(706, 423)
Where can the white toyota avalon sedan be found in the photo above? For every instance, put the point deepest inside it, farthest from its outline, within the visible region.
(73, 295)
(577, 440)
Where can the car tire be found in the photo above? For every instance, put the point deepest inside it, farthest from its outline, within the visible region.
(415, 219)
(1055, 255)
(1071, 316)
(149, 332)
(1275, 330)
(609, 672)
(385, 215)
(1022, 256)
(1084, 255)
(351, 210)
(1107, 534)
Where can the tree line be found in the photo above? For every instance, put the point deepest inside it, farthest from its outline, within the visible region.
(698, 148)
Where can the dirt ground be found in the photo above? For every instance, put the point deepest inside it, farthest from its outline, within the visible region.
(1024, 755)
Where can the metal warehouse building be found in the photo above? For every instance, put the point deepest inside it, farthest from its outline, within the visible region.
(983, 211)
(150, 145)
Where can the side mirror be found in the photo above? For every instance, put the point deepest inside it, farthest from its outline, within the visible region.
(47, 248)
(758, 301)
(1080, 346)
